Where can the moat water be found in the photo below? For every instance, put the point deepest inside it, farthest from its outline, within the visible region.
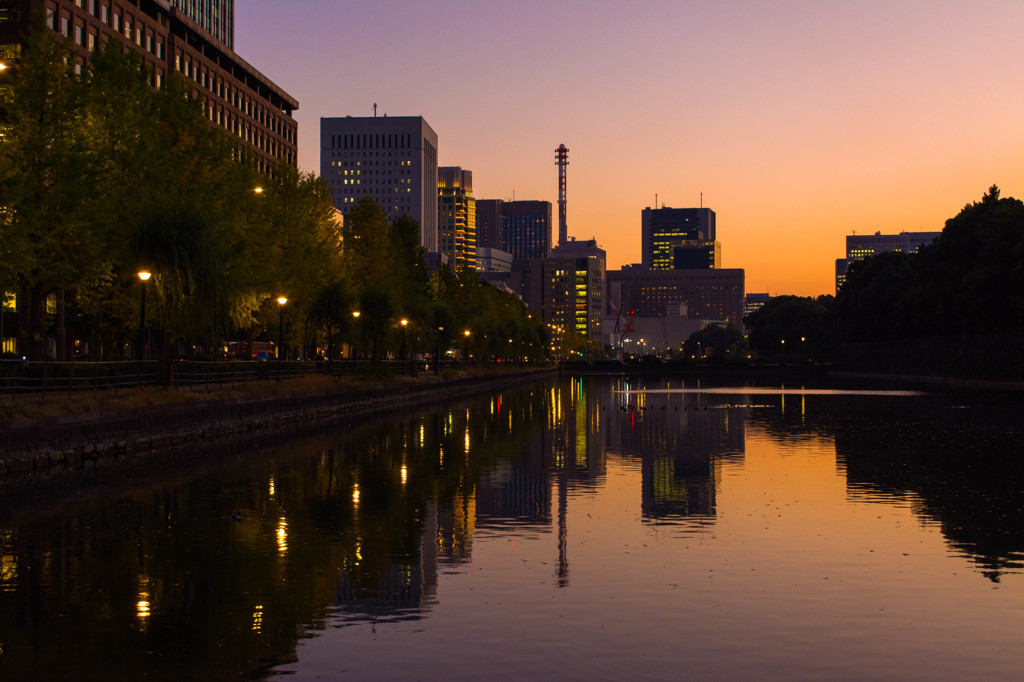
(589, 529)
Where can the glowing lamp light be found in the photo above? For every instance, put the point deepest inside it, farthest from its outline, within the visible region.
(144, 276)
(281, 300)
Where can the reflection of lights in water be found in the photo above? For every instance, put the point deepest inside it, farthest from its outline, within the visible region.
(359, 550)
(355, 494)
(423, 436)
(8, 573)
(405, 474)
(440, 455)
(282, 535)
(257, 618)
(467, 439)
(142, 606)
(273, 489)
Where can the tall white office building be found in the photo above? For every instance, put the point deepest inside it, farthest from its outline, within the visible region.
(391, 159)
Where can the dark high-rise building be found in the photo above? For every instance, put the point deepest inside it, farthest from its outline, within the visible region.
(664, 229)
(192, 39)
(391, 159)
(526, 229)
(697, 255)
(488, 223)
(456, 217)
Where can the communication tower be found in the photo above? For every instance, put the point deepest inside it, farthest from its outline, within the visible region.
(562, 160)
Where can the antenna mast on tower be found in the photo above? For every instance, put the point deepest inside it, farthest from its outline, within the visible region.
(562, 160)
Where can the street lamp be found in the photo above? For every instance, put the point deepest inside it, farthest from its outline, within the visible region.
(281, 300)
(355, 315)
(404, 322)
(144, 276)
(465, 355)
(437, 349)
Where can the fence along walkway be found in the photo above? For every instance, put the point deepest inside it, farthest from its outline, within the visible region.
(21, 380)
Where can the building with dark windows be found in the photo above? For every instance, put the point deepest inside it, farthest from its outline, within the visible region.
(191, 38)
(456, 217)
(526, 229)
(861, 246)
(664, 229)
(488, 223)
(391, 159)
(697, 255)
(754, 302)
(710, 295)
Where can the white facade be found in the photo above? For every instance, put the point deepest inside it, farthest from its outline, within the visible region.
(392, 160)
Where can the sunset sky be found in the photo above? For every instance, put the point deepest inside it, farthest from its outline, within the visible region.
(800, 122)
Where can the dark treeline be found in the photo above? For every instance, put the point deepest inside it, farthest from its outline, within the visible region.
(103, 176)
(968, 284)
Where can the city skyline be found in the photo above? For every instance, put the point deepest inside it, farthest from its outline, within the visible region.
(798, 123)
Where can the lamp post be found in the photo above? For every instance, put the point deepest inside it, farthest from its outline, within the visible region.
(281, 300)
(437, 349)
(144, 277)
(465, 354)
(405, 323)
(355, 314)
(803, 346)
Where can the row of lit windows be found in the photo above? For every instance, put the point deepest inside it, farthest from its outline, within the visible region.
(134, 31)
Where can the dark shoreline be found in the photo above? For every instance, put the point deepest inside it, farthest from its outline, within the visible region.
(47, 443)
(66, 442)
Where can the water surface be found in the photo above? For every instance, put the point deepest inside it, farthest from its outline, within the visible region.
(584, 529)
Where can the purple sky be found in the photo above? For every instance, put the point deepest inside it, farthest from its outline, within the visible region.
(800, 122)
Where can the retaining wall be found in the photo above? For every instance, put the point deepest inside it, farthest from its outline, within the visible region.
(69, 441)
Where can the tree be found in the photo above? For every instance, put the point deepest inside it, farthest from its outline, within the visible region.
(803, 323)
(44, 183)
(331, 310)
(715, 341)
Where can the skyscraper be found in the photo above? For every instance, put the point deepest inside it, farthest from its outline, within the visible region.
(526, 229)
(488, 223)
(456, 216)
(664, 229)
(392, 160)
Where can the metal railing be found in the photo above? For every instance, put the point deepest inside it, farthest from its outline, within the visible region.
(22, 380)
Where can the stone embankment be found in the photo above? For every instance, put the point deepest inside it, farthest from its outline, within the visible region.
(39, 444)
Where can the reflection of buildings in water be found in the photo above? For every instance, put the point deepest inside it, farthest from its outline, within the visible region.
(404, 590)
(682, 439)
(456, 523)
(516, 491)
(576, 445)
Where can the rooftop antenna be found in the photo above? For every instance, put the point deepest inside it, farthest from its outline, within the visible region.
(375, 110)
(655, 201)
(702, 199)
